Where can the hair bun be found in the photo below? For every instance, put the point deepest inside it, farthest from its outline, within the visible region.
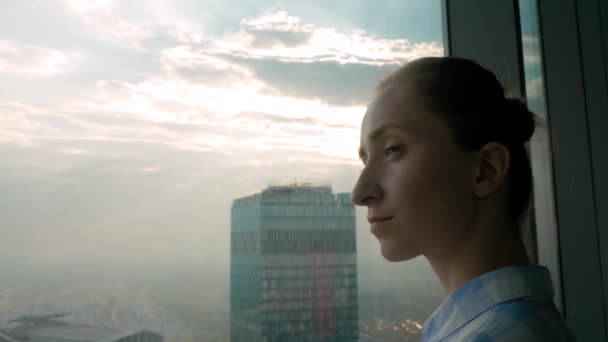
(519, 120)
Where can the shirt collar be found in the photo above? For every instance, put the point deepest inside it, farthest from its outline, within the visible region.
(479, 294)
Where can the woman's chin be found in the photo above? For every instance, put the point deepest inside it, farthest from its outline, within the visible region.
(394, 251)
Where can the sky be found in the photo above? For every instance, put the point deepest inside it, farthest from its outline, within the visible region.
(128, 127)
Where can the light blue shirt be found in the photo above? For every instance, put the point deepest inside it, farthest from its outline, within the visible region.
(514, 303)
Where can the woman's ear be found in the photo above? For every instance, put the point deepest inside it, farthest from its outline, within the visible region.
(492, 168)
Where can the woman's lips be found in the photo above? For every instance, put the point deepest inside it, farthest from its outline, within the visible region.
(379, 224)
(374, 219)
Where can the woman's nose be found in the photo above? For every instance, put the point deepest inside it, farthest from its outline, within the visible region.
(366, 190)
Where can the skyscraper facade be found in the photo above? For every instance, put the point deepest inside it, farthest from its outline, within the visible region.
(293, 273)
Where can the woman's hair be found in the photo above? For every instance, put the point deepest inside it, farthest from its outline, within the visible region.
(473, 103)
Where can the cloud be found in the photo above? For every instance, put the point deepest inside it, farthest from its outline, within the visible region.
(275, 84)
(269, 39)
(132, 25)
(151, 169)
(273, 52)
(30, 60)
(89, 6)
(204, 100)
(534, 88)
(127, 31)
(277, 29)
(279, 36)
(75, 151)
(204, 69)
(169, 123)
(74, 129)
(531, 59)
(254, 163)
(528, 39)
(330, 82)
(531, 49)
(278, 54)
(276, 20)
(308, 123)
(172, 98)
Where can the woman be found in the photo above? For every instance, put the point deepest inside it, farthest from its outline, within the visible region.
(446, 175)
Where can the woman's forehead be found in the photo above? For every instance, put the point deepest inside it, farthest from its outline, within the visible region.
(393, 106)
(405, 110)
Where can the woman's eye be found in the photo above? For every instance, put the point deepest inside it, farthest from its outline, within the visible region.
(391, 149)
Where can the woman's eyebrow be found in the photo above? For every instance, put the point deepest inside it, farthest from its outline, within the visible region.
(380, 131)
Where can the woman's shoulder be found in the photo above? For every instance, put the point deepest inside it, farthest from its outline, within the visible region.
(519, 320)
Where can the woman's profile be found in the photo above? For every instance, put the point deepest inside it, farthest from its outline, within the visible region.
(446, 176)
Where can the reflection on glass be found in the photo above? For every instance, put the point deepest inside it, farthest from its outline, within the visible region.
(540, 145)
(127, 131)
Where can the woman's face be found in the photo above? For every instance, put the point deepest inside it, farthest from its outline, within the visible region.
(416, 182)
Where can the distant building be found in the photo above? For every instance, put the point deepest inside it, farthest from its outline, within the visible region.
(293, 266)
(50, 329)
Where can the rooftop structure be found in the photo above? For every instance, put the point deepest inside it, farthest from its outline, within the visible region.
(48, 328)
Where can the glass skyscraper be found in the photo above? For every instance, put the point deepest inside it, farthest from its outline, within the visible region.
(293, 272)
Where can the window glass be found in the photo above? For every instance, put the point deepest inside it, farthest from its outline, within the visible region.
(183, 168)
(540, 148)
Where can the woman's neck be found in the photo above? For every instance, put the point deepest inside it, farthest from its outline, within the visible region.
(481, 251)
